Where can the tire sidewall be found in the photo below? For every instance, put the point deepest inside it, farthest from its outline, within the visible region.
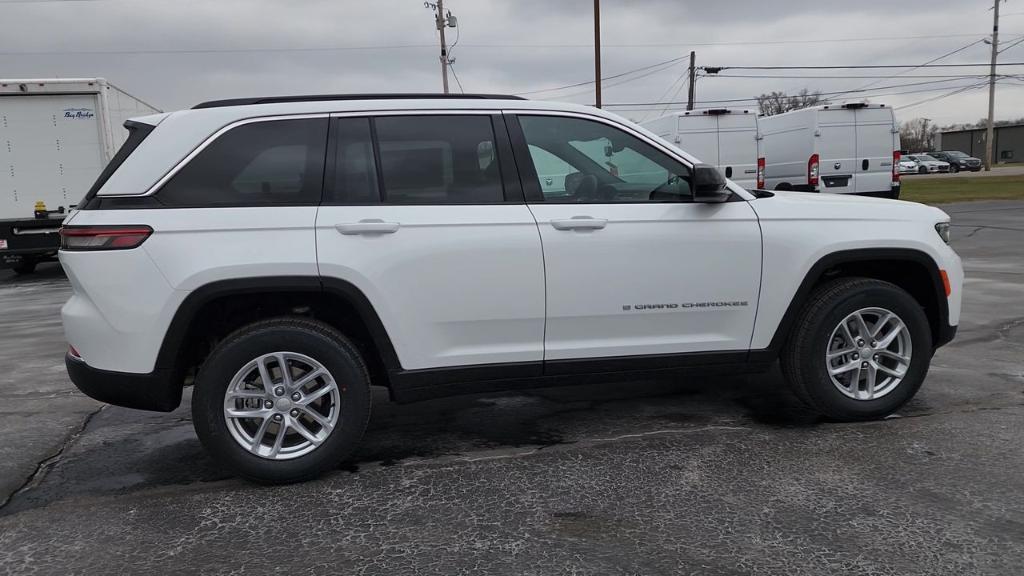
(338, 357)
(822, 389)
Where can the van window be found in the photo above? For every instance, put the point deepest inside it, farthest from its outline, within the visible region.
(445, 159)
(279, 162)
(583, 161)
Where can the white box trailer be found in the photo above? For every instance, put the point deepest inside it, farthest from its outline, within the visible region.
(728, 139)
(56, 135)
(846, 149)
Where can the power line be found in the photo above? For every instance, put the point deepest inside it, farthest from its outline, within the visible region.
(714, 69)
(843, 77)
(647, 105)
(612, 77)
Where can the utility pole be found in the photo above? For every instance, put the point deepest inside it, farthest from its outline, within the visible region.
(990, 132)
(693, 79)
(442, 21)
(597, 52)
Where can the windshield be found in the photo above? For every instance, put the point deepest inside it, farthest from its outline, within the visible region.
(956, 154)
(925, 158)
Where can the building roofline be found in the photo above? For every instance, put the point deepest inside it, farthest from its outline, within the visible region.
(1018, 125)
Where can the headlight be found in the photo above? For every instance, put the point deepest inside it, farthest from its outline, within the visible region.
(943, 229)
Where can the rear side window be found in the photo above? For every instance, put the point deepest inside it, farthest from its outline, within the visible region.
(443, 159)
(277, 162)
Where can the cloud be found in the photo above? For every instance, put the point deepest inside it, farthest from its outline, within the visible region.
(175, 54)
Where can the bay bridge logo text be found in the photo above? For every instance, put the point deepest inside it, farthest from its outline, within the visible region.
(84, 113)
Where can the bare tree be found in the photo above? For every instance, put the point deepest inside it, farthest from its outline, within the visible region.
(918, 135)
(779, 102)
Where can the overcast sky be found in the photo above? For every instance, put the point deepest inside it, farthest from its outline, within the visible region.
(174, 54)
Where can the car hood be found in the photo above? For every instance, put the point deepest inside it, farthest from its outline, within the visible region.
(818, 206)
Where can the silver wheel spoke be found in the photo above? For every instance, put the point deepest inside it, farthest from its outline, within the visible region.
(265, 379)
(895, 372)
(247, 413)
(903, 360)
(304, 432)
(869, 382)
(881, 324)
(888, 339)
(246, 394)
(282, 431)
(311, 376)
(862, 327)
(257, 438)
(316, 417)
(843, 368)
(286, 373)
(317, 394)
(837, 353)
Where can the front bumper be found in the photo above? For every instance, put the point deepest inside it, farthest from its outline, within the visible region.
(157, 391)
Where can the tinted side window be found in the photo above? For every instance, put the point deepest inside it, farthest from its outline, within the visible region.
(583, 161)
(355, 175)
(438, 160)
(263, 163)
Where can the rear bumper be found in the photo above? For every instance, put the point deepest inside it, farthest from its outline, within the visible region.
(157, 391)
(28, 240)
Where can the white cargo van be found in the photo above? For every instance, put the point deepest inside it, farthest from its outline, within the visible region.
(725, 138)
(845, 148)
(56, 135)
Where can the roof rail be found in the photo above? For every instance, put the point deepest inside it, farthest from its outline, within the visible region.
(324, 97)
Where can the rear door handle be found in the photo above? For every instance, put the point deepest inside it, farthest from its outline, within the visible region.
(371, 226)
(580, 223)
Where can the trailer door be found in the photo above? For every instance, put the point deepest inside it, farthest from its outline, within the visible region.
(874, 150)
(50, 151)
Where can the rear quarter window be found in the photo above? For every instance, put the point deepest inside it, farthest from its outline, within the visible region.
(277, 162)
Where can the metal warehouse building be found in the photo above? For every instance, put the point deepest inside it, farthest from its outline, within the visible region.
(1009, 142)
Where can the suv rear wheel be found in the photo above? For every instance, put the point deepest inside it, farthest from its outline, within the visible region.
(282, 400)
(860, 349)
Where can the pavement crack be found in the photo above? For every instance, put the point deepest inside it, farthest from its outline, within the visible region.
(45, 464)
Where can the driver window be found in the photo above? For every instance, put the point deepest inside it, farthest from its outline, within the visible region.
(583, 161)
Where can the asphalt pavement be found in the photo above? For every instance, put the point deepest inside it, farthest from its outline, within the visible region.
(685, 476)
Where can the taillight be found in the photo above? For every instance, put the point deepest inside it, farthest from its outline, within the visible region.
(812, 171)
(760, 173)
(103, 237)
(896, 166)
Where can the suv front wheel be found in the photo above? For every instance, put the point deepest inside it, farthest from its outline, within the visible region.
(860, 349)
(282, 400)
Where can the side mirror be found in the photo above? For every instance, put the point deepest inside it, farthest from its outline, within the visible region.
(709, 185)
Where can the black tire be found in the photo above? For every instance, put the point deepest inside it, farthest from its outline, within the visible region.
(954, 168)
(25, 267)
(922, 170)
(308, 337)
(803, 357)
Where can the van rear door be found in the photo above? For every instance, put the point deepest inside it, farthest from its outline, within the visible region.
(698, 136)
(737, 148)
(837, 150)
(874, 150)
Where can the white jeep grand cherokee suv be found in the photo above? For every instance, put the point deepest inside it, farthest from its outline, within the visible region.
(283, 254)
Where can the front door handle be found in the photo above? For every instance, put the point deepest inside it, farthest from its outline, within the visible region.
(371, 226)
(580, 223)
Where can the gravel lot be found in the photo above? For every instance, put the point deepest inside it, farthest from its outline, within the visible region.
(695, 476)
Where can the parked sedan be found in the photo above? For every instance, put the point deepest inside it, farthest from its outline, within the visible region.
(907, 166)
(928, 165)
(958, 160)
